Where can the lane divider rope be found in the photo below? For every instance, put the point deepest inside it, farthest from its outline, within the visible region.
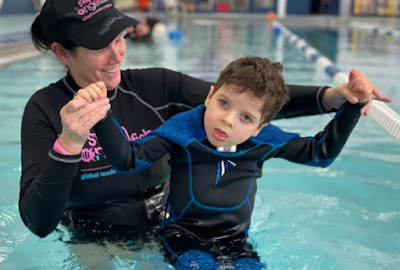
(380, 112)
(383, 30)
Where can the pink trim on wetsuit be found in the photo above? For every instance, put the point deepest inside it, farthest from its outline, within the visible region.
(59, 149)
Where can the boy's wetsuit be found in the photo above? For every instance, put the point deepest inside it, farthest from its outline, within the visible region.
(212, 193)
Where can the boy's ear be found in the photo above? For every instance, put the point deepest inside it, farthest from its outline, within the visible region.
(61, 53)
(208, 98)
(259, 129)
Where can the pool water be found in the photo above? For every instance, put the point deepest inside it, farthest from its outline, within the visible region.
(346, 216)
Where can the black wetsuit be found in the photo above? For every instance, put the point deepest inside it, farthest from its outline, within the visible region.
(91, 190)
(212, 193)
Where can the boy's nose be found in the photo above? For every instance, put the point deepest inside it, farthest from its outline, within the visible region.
(228, 120)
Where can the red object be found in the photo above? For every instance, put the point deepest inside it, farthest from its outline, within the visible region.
(142, 5)
(223, 7)
(270, 15)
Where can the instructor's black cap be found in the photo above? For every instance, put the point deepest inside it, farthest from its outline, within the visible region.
(91, 24)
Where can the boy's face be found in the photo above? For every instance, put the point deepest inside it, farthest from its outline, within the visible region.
(231, 118)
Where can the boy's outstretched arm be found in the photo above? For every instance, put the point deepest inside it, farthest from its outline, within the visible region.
(127, 156)
(120, 152)
(322, 149)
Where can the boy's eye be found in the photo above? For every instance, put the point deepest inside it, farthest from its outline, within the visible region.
(246, 118)
(223, 103)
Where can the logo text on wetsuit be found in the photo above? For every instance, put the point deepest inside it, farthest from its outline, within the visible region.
(94, 153)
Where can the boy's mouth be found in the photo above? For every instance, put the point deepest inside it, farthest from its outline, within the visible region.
(220, 135)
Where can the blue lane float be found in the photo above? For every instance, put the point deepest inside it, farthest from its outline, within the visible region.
(175, 35)
(311, 53)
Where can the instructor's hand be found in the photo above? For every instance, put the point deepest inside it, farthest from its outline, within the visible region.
(77, 117)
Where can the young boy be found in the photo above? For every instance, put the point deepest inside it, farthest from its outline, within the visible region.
(217, 153)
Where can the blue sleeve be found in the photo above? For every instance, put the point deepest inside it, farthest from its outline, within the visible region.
(322, 149)
(126, 156)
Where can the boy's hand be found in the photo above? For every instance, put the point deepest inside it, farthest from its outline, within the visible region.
(359, 89)
(361, 86)
(364, 90)
(92, 92)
